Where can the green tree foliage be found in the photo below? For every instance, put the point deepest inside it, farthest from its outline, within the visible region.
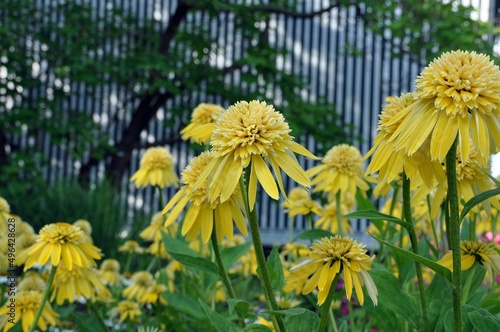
(52, 52)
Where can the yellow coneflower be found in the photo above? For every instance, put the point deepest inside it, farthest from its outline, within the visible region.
(471, 181)
(300, 202)
(293, 251)
(4, 214)
(252, 133)
(202, 123)
(141, 282)
(156, 169)
(131, 246)
(27, 303)
(330, 256)
(110, 272)
(266, 323)
(154, 294)
(472, 251)
(127, 310)
(23, 243)
(200, 214)
(340, 169)
(153, 231)
(157, 248)
(329, 219)
(32, 281)
(456, 94)
(391, 163)
(84, 225)
(76, 284)
(62, 242)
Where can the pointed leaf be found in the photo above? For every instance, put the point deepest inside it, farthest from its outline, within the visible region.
(218, 321)
(478, 199)
(239, 306)
(376, 215)
(232, 254)
(312, 234)
(483, 321)
(274, 264)
(425, 261)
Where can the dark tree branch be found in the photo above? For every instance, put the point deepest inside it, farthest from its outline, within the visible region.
(292, 13)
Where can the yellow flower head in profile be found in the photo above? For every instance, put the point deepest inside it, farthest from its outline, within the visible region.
(4, 214)
(127, 310)
(153, 231)
(329, 219)
(76, 284)
(154, 294)
(26, 306)
(62, 242)
(472, 251)
(341, 169)
(141, 282)
(391, 163)
(252, 134)
(202, 123)
(156, 169)
(110, 272)
(131, 246)
(32, 281)
(329, 257)
(201, 211)
(457, 94)
(300, 202)
(23, 243)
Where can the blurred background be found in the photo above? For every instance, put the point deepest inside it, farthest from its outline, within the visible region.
(87, 86)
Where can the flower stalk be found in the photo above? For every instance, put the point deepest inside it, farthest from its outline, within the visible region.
(44, 298)
(414, 246)
(265, 278)
(454, 233)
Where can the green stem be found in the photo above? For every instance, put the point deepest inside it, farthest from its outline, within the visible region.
(454, 233)
(433, 225)
(291, 227)
(414, 246)
(265, 279)
(468, 282)
(338, 202)
(160, 194)
(127, 264)
(222, 270)
(309, 221)
(351, 317)
(327, 305)
(45, 296)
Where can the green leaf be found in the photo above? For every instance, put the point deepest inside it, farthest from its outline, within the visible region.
(307, 321)
(232, 254)
(256, 328)
(185, 304)
(478, 199)
(276, 269)
(240, 306)
(425, 261)
(439, 300)
(376, 215)
(181, 252)
(483, 321)
(392, 297)
(220, 323)
(287, 312)
(312, 234)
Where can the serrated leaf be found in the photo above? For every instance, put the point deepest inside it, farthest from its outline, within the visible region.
(218, 321)
(312, 234)
(478, 199)
(483, 321)
(276, 269)
(376, 215)
(425, 261)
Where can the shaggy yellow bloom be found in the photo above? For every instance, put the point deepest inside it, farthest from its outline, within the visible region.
(127, 310)
(156, 169)
(472, 251)
(62, 242)
(23, 243)
(131, 246)
(340, 169)
(391, 163)
(202, 123)
(32, 282)
(141, 282)
(457, 94)
(300, 202)
(4, 214)
(153, 231)
(26, 304)
(329, 221)
(252, 134)
(471, 181)
(84, 225)
(110, 272)
(330, 256)
(76, 284)
(203, 212)
(154, 294)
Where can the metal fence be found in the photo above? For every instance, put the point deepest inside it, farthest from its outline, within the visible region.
(319, 48)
